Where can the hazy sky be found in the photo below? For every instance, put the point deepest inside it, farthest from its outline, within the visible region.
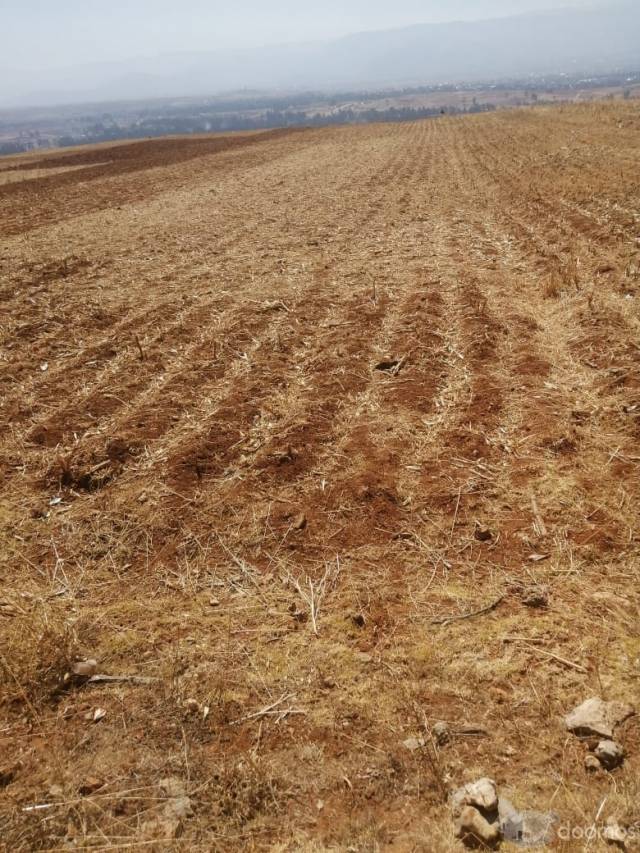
(57, 33)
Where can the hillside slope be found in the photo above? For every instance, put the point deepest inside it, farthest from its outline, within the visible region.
(324, 437)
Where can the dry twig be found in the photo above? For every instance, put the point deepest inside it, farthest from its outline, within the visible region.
(446, 620)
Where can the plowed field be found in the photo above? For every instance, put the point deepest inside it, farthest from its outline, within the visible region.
(323, 437)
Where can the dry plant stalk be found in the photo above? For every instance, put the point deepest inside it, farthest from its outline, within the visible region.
(313, 597)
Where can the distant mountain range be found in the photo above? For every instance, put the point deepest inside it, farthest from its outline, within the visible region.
(567, 40)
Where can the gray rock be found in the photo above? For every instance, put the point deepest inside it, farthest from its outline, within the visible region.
(610, 754)
(85, 668)
(481, 795)
(475, 830)
(595, 717)
(413, 744)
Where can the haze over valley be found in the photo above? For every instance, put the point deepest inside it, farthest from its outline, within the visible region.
(571, 40)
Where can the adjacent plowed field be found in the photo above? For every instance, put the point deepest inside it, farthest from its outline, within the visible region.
(324, 437)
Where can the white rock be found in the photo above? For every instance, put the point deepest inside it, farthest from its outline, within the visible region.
(481, 794)
(597, 718)
(413, 744)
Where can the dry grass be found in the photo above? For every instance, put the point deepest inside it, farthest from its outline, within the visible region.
(208, 485)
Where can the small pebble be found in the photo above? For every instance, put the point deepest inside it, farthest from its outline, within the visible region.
(591, 763)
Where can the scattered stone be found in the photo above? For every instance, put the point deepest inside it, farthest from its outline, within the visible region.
(483, 534)
(610, 754)
(85, 668)
(481, 794)
(615, 834)
(597, 718)
(535, 597)
(441, 733)
(413, 744)
(475, 830)
(484, 819)
(96, 715)
(591, 763)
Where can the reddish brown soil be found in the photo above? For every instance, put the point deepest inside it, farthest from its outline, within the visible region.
(238, 373)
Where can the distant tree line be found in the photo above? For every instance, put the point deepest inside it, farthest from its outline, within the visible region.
(159, 125)
(255, 110)
(13, 148)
